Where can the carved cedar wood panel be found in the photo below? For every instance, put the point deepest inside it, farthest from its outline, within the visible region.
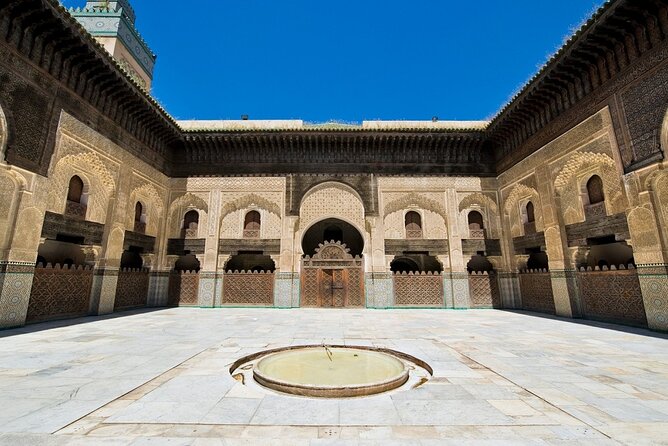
(536, 289)
(613, 296)
(484, 291)
(132, 289)
(418, 290)
(248, 288)
(183, 288)
(58, 293)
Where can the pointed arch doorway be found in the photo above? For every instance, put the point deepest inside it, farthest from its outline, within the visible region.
(332, 266)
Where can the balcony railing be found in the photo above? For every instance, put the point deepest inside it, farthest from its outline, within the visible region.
(595, 211)
(74, 209)
(140, 227)
(189, 233)
(477, 234)
(251, 233)
(530, 228)
(414, 233)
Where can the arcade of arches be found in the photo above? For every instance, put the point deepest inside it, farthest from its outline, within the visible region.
(558, 208)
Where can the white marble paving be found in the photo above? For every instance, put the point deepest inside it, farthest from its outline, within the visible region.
(499, 378)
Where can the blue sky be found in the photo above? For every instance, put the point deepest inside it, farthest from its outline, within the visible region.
(349, 60)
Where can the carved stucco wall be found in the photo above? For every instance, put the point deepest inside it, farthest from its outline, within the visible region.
(333, 200)
(664, 134)
(151, 199)
(433, 225)
(645, 236)
(570, 184)
(3, 135)
(235, 207)
(9, 187)
(181, 205)
(658, 183)
(98, 178)
(109, 172)
(514, 206)
(427, 204)
(486, 205)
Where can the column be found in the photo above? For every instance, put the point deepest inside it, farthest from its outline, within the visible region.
(650, 258)
(287, 285)
(448, 297)
(509, 284)
(563, 274)
(459, 277)
(210, 278)
(17, 267)
(378, 284)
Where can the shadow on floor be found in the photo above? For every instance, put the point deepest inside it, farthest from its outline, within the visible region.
(605, 325)
(41, 326)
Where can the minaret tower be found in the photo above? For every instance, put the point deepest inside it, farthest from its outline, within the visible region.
(112, 23)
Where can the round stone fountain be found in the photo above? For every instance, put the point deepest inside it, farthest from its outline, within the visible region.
(330, 371)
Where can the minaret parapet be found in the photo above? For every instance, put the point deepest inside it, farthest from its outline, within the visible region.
(112, 23)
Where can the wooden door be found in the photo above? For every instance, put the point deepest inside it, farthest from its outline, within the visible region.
(333, 286)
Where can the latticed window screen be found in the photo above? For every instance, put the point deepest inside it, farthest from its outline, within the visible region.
(413, 225)
(595, 190)
(252, 224)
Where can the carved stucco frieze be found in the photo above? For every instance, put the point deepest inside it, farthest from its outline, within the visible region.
(181, 205)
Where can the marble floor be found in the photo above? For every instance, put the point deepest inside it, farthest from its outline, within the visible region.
(162, 377)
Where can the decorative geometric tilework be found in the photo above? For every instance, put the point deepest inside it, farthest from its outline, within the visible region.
(208, 282)
(460, 290)
(654, 287)
(283, 290)
(15, 284)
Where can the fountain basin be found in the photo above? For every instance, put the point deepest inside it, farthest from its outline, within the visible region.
(336, 372)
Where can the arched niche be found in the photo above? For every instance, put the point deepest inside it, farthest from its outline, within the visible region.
(321, 232)
(331, 200)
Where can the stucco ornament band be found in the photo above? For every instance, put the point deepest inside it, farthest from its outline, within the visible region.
(3, 135)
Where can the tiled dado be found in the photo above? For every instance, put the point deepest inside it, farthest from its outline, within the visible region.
(286, 290)
(654, 286)
(15, 285)
(379, 290)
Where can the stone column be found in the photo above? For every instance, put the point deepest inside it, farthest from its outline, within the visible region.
(287, 285)
(448, 298)
(210, 278)
(378, 284)
(459, 277)
(17, 267)
(105, 278)
(509, 284)
(564, 279)
(652, 264)
(158, 286)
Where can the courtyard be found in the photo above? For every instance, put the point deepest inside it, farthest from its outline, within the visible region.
(162, 377)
